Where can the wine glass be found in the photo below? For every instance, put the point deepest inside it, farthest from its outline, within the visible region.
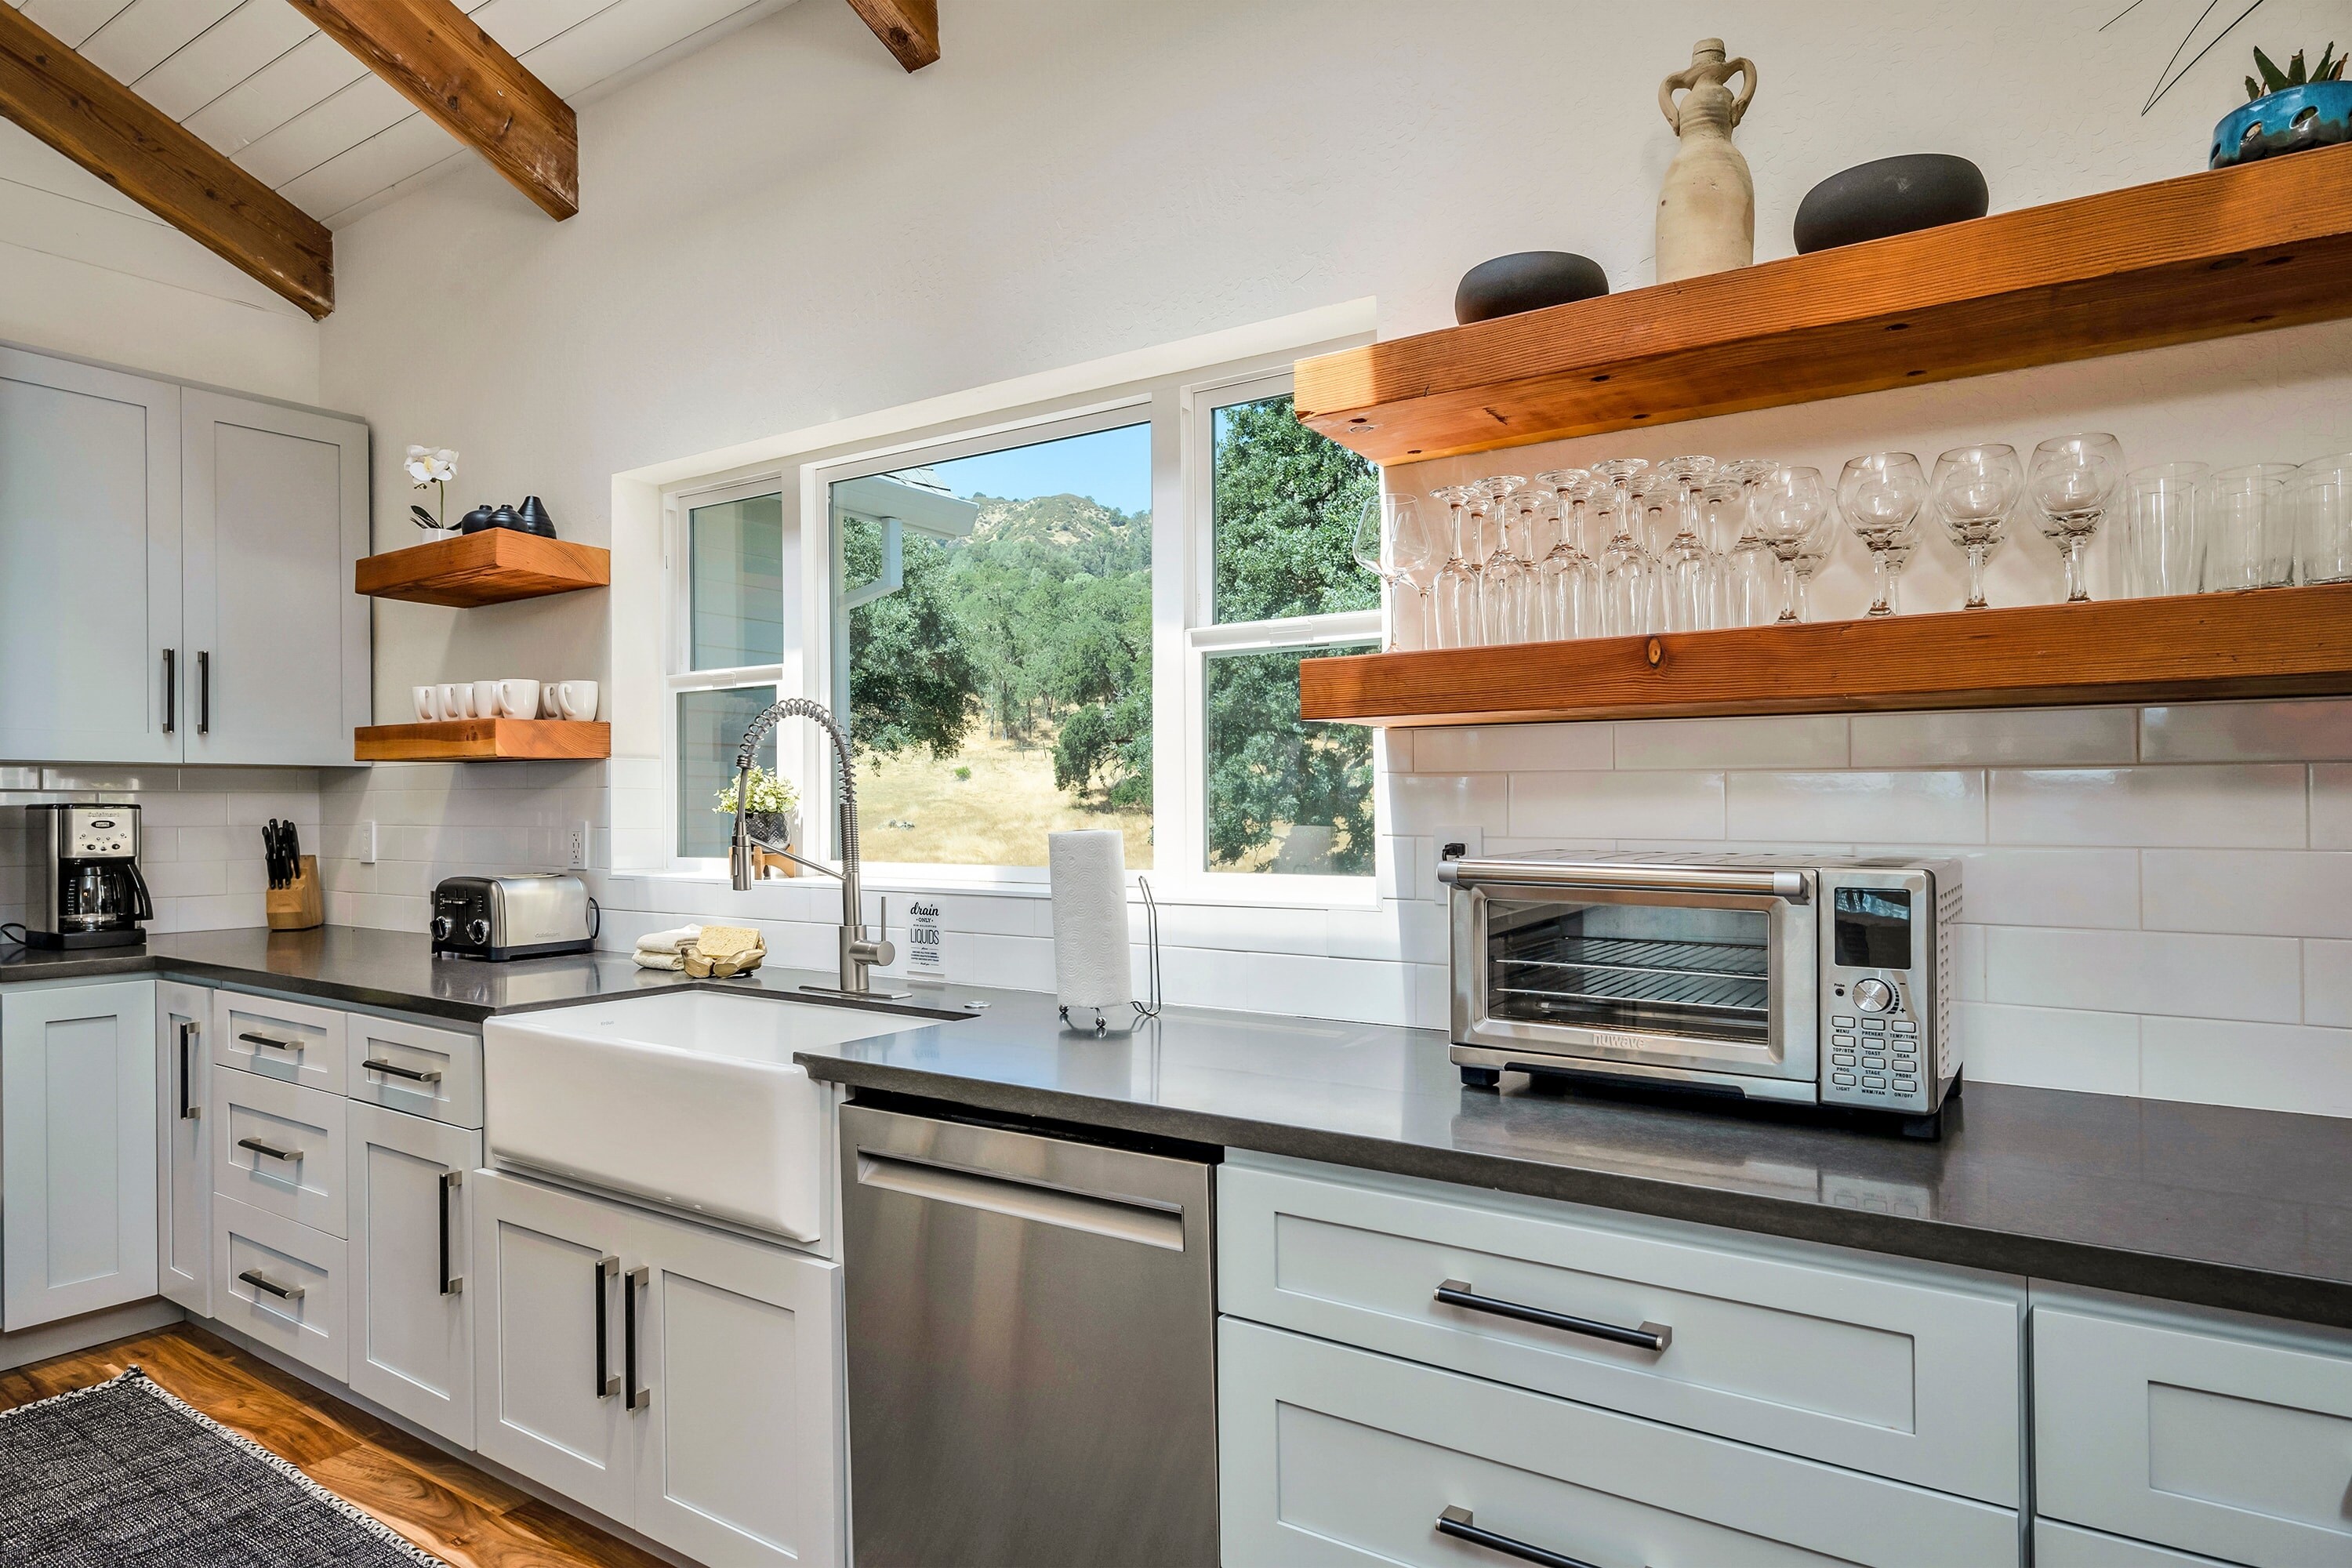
(1821, 542)
(1454, 594)
(1973, 489)
(1687, 573)
(1881, 495)
(2071, 479)
(1626, 572)
(1502, 580)
(1789, 506)
(1564, 576)
(1393, 544)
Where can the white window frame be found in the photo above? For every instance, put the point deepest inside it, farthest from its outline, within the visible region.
(1180, 408)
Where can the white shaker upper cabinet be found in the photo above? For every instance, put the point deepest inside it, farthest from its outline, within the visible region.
(89, 563)
(275, 513)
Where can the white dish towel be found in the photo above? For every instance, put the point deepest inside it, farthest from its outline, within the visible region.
(665, 949)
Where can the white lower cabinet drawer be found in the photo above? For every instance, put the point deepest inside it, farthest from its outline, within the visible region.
(2059, 1545)
(1878, 1369)
(2238, 1445)
(1334, 1455)
(282, 1283)
(290, 1041)
(414, 1068)
(280, 1147)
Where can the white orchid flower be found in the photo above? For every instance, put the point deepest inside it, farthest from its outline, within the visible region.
(428, 466)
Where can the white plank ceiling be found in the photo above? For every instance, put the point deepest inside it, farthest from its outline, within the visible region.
(262, 85)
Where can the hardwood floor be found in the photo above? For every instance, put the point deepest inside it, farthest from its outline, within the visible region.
(447, 1506)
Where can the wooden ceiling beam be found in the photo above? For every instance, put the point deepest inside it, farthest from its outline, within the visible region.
(908, 29)
(466, 82)
(125, 141)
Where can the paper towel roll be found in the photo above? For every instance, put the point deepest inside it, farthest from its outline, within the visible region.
(1090, 956)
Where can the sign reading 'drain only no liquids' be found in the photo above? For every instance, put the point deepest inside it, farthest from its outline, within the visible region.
(925, 946)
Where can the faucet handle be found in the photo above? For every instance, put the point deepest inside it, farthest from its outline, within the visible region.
(882, 924)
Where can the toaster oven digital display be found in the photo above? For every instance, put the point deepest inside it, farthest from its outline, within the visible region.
(1873, 927)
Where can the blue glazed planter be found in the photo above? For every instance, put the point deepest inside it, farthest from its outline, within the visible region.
(2317, 114)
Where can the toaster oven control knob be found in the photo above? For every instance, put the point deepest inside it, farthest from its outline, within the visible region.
(442, 926)
(1873, 996)
(477, 931)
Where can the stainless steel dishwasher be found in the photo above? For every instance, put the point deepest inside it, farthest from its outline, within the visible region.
(1031, 1326)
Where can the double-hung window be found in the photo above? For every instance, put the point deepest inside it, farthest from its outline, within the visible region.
(735, 627)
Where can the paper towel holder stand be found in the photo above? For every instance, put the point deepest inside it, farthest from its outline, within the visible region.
(1151, 929)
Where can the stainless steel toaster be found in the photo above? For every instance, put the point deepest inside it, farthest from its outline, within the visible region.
(528, 916)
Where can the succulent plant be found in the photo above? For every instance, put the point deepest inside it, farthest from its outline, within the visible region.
(2329, 68)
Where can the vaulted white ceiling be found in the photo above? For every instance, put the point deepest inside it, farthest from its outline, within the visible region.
(261, 83)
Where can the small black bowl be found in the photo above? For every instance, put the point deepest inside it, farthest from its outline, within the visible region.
(1527, 280)
(1890, 195)
(504, 516)
(475, 521)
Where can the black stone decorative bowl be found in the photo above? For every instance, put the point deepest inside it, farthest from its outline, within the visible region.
(1527, 280)
(1890, 195)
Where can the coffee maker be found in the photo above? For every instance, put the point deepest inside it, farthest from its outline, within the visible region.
(86, 889)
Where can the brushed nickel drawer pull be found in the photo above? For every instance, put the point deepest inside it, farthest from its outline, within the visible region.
(637, 1395)
(189, 1109)
(1457, 1522)
(1649, 1336)
(260, 1281)
(272, 1041)
(394, 1070)
(450, 1182)
(608, 1267)
(291, 1156)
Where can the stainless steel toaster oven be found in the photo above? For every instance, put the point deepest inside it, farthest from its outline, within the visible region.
(1810, 982)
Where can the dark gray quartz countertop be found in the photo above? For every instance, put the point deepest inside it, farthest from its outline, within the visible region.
(2209, 1204)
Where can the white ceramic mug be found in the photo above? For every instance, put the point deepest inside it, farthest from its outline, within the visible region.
(428, 703)
(550, 700)
(458, 701)
(517, 698)
(485, 700)
(578, 699)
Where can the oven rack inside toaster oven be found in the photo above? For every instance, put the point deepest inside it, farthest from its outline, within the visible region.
(1564, 970)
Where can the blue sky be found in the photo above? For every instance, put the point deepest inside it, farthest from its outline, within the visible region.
(1113, 466)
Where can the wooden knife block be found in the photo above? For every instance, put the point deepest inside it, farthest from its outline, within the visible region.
(301, 905)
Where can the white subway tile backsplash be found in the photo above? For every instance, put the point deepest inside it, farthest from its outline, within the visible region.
(1423, 803)
(1498, 748)
(2048, 737)
(2328, 983)
(2251, 806)
(2331, 806)
(2312, 730)
(2095, 1053)
(2095, 888)
(1615, 806)
(2276, 892)
(2199, 976)
(2270, 1067)
(1803, 740)
(1945, 806)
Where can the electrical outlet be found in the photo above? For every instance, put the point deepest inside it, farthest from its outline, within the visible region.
(1461, 843)
(575, 846)
(367, 842)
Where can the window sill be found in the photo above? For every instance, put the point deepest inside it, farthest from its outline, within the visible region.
(1197, 891)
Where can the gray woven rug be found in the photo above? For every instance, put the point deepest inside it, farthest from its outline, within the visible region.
(122, 1475)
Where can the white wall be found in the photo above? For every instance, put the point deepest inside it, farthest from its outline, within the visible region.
(85, 270)
(785, 230)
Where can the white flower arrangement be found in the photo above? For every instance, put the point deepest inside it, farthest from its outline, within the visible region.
(766, 793)
(431, 467)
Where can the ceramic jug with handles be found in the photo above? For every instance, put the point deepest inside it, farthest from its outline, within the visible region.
(1707, 207)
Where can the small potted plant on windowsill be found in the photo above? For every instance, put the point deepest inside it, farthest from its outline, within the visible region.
(2288, 110)
(771, 809)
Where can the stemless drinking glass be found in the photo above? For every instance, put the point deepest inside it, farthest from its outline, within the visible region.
(2250, 534)
(2324, 539)
(1881, 495)
(2070, 479)
(2164, 529)
(1454, 594)
(1973, 489)
(1789, 506)
(1393, 543)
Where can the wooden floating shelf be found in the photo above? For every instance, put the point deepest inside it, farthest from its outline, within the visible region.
(481, 740)
(2260, 246)
(2270, 642)
(491, 567)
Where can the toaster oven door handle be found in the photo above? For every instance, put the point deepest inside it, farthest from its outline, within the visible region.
(1459, 1524)
(1790, 885)
(1652, 1337)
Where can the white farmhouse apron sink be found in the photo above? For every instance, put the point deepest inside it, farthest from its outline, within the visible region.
(687, 1099)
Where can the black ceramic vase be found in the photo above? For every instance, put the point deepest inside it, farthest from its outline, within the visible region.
(533, 518)
(1890, 195)
(1527, 280)
(475, 521)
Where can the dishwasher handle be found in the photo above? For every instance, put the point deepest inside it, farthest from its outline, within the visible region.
(1120, 1218)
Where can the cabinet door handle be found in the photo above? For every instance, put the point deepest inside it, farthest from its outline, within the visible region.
(607, 1385)
(451, 1181)
(204, 691)
(189, 1110)
(260, 1281)
(171, 689)
(394, 1070)
(639, 1397)
(1649, 1336)
(274, 1043)
(1457, 1522)
(291, 1156)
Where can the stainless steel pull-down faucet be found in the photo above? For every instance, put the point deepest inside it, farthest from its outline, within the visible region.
(861, 946)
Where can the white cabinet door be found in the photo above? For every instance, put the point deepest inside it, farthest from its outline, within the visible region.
(183, 1169)
(738, 1424)
(547, 1340)
(411, 1320)
(90, 564)
(275, 512)
(77, 1150)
